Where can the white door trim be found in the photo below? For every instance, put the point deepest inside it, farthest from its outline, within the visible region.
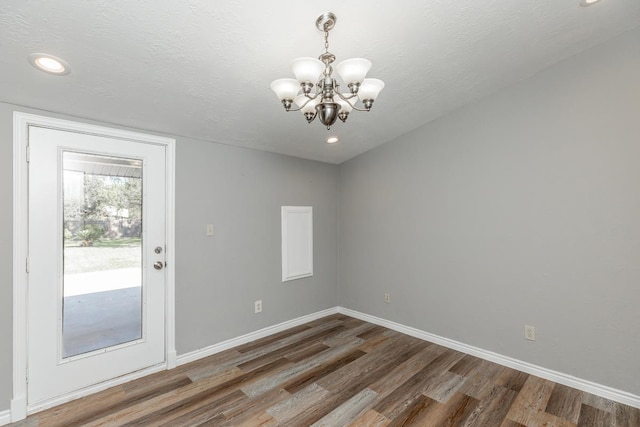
(21, 123)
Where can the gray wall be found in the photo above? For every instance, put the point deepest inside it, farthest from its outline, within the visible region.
(240, 192)
(523, 208)
(218, 278)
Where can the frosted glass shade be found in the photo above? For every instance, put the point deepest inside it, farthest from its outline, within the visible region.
(310, 107)
(353, 70)
(285, 88)
(370, 88)
(307, 70)
(344, 105)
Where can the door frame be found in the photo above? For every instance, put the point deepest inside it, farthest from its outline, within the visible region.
(21, 123)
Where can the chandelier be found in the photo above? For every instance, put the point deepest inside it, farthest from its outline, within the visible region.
(327, 102)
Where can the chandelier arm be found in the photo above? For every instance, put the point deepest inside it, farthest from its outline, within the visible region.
(292, 109)
(347, 98)
(361, 109)
(300, 108)
(312, 97)
(309, 99)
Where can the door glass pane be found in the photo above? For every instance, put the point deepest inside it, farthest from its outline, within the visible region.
(102, 281)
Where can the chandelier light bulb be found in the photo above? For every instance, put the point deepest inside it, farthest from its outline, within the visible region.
(307, 106)
(353, 71)
(344, 105)
(285, 89)
(370, 89)
(307, 70)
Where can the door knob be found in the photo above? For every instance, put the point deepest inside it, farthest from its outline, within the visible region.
(158, 265)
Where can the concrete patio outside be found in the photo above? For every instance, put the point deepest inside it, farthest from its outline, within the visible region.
(101, 309)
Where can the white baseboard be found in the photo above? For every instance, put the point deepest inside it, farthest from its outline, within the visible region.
(548, 374)
(252, 336)
(172, 359)
(18, 408)
(5, 417)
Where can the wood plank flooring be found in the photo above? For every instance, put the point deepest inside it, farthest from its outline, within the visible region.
(339, 371)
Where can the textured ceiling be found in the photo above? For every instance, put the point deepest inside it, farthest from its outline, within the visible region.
(202, 69)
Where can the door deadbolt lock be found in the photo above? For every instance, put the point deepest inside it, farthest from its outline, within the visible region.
(158, 265)
(158, 249)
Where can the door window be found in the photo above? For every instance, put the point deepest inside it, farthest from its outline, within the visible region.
(102, 262)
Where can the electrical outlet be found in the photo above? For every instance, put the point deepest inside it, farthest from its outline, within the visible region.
(258, 306)
(387, 297)
(529, 333)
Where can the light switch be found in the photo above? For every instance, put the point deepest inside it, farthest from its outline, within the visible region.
(209, 229)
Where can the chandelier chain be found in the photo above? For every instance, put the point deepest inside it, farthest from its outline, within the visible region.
(326, 41)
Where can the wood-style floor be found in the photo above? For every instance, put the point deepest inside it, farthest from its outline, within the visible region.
(339, 371)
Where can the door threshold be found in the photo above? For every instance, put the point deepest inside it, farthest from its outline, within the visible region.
(86, 391)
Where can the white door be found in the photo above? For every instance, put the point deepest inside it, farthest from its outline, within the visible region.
(96, 293)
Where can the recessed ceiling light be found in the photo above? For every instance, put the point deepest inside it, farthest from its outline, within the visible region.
(332, 140)
(588, 2)
(49, 64)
